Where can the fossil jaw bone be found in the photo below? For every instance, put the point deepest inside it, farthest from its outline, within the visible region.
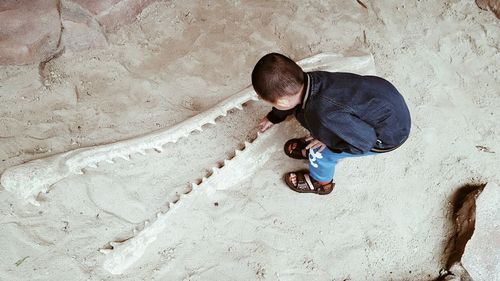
(28, 179)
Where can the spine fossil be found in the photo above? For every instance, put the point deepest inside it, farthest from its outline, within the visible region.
(28, 179)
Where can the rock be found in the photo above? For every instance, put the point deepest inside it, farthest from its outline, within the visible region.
(81, 31)
(113, 13)
(463, 219)
(492, 5)
(30, 31)
(482, 253)
(34, 31)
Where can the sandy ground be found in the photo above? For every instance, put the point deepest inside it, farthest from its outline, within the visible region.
(388, 216)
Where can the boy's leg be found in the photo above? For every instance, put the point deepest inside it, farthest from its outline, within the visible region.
(322, 164)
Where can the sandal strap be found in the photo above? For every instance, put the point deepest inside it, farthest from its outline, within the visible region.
(309, 182)
(302, 183)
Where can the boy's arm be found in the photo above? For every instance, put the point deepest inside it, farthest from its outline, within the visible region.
(276, 116)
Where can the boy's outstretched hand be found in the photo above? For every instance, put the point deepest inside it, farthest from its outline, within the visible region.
(265, 124)
(314, 143)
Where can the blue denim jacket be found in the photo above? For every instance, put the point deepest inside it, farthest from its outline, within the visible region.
(351, 113)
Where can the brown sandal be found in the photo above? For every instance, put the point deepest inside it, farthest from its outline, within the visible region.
(306, 184)
(296, 152)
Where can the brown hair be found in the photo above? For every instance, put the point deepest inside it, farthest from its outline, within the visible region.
(275, 76)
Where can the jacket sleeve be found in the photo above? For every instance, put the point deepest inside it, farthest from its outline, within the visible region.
(356, 132)
(277, 116)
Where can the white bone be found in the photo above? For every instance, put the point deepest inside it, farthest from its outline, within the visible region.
(215, 171)
(105, 251)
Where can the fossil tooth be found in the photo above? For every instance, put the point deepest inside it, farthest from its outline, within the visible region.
(105, 251)
(125, 157)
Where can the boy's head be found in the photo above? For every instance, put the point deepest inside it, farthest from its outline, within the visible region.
(279, 80)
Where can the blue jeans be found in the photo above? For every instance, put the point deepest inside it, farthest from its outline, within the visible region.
(322, 164)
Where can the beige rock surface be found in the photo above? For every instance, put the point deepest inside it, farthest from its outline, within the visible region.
(33, 31)
(387, 218)
(81, 30)
(29, 31)
(111, 14)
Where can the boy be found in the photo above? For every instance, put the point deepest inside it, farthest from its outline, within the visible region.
(346, 114)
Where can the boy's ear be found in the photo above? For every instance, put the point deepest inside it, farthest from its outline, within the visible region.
(283, 101)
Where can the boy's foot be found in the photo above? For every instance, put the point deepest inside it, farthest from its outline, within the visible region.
(300, 181)
(296, 148)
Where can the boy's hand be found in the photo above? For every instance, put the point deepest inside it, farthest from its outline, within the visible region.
(314, 143)
(265, 124)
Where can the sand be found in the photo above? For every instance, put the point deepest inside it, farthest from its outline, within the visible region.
(387, 219)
